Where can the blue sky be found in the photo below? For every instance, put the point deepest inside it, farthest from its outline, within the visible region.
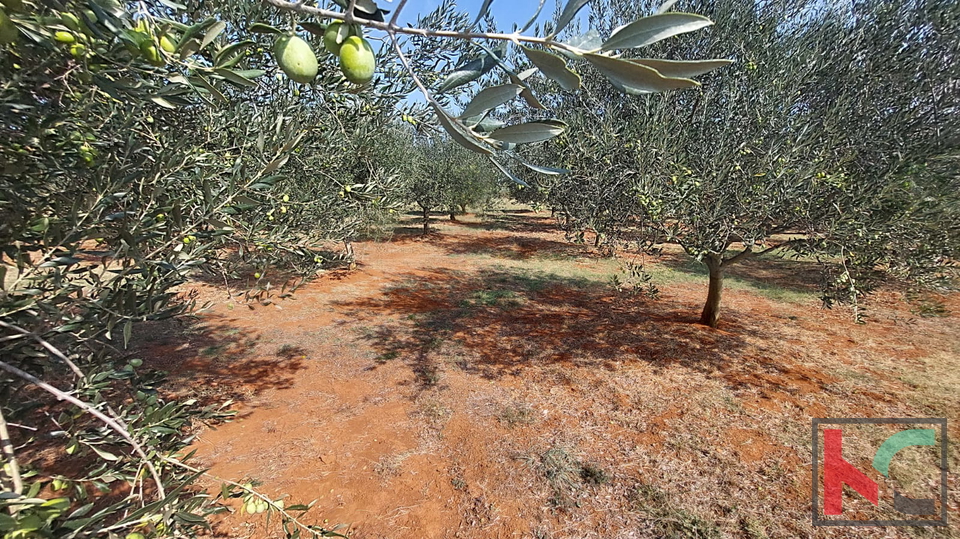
(506, 12)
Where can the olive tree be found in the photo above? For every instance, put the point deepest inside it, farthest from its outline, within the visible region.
(809, 133)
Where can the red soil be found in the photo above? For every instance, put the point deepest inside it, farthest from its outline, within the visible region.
(419, 395)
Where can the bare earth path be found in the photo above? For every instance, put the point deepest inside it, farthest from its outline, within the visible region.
(489, 382)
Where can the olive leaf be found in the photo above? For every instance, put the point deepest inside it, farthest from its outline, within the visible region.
(491, 98)
(459, 134)
(314, 28)
(261, 28)
(554, 67)
(506, 172)
(635, 78)
(568, 13)
(483, 11)
(681, 68)
(469, 72)
(651, 29)
(666, 6)
(529, 132)
(212, 34)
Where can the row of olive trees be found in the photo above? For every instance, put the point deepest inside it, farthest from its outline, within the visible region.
(438, 174)
(836, 127)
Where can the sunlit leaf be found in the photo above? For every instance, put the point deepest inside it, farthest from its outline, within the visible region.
(261, 28)
(506, 172)
(666, 6)
(483, 11)
(636, 78)
(651, 29)
(468, 72)
(681, 68)
(552, 171)
(239, 78)
(199, 80)
(230, 51)
(212, 33)
(534, 18)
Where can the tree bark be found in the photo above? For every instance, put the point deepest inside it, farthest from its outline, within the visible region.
(453, 216)
(426, 220)
(711, 309)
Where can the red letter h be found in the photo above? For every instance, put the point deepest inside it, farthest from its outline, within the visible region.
(837, 471)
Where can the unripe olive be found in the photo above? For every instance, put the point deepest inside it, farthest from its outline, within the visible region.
(151, 53)
(296, 59)
(357, 61)
(167, 45)
(330, 38)
(64, 37)
(71, 21)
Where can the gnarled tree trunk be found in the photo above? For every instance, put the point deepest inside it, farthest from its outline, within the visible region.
(711, 309)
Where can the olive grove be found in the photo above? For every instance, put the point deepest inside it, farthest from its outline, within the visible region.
(833, 135)
(145, 142)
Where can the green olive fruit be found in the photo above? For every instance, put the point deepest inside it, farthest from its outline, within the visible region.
(136, 362)
(136, 535)
(78, 50)
(357, 60)
(167, 44)
(71, 21)
(64, 37)
(8, 32)
(151, 53)
(330, 38)
(296, 59)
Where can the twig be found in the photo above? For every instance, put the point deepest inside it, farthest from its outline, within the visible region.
(110, 422)
(7, 446)
(52, 349)
(413, 74)
(311, 529)
(396, 13)
(391, 27)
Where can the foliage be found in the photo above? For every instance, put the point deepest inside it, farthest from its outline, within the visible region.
(440, 174)
(819, 130)
(143, 143)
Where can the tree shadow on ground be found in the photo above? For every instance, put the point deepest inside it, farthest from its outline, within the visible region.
(513, 221)
(212, 359)
(768, 273)
(514, 247)
(508, 320)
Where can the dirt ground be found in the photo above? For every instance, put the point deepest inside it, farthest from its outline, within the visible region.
(488, 381)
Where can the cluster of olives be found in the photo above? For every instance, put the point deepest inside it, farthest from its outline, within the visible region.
(148, 44)
(72, 30)
(357, 61)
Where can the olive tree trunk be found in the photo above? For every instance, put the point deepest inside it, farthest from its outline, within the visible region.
(426, 219)
(711, 309)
